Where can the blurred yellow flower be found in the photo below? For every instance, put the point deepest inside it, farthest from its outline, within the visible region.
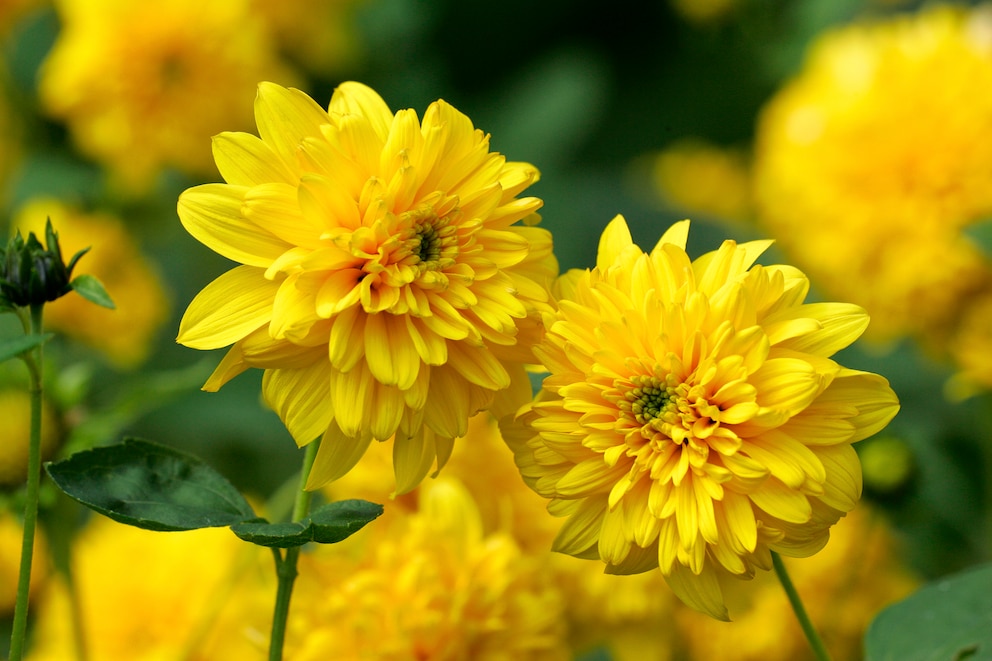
(385, 288)
(431, 585)
(843, 587)
(149, 596)
(870, 163)
(125, 334)
(15, 411)
(319, 35)
(700, 178)
(692, 419)
(143, 86)
(11, 534)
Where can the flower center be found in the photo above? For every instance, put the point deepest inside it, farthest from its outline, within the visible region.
(649, 399)
(430, 246)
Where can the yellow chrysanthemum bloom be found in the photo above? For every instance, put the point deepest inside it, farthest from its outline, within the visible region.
(844, 586)
(125, 334)
(143, 86)
(432, 585)
(384, 288)
(173, 606)
(870, 163)
(692, 419)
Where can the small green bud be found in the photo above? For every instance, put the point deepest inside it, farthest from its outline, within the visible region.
(31, 273)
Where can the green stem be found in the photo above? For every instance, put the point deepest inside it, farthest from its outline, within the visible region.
(33, 359)
(815, 642)
(286, 565)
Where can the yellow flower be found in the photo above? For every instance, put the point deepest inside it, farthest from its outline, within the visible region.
(143, 86)
(701, 178)
(692, 419)
(169, 606)
(870, 163)
(431, 585)
(384, 287)
(11, 535)
(843, 587)
(126, 333)
(15, 411)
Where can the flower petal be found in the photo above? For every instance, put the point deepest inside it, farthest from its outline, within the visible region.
(211, 213)
(228, 309)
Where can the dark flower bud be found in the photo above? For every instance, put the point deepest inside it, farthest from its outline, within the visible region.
(31, 273)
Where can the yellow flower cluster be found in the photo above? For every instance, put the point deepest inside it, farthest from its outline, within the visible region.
(125, 334)
(703, 179)
(871, 162)
(693, 420)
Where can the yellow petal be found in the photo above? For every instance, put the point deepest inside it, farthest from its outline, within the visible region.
(478, 365)
(355, 98)
(211, 213)
(245, 160)
(230, 366)
(413, 456)
(838, 325)
(677, 235)
(780, 501)
(701, 592)
(338, 453)
(351, 399)
(390, 351)
(228, 309)
(301, 398)
(285, 117)
(274, 206)
(579, 536)
(613, 242)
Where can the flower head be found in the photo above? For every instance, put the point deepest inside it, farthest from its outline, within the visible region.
(692, 419)
(430, 585)
(870, 163)
(385, 288)
(32, 273)
(143, 86)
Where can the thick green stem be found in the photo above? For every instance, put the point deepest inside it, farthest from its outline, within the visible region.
(33, 359)
(815, 642)
(286, 565)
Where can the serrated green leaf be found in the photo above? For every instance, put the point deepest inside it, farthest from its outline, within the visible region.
(945, 620)
(150, 486)
(92, 290)
(278, 535)
(328, 524)
(13, 348)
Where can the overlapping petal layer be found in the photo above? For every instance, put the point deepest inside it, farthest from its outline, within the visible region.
(693, 419)
(385, 286)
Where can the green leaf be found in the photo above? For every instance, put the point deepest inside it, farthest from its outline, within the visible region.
(150, 486)
(279, 535)
(328, 524)
(92, 290)
(980, 234)
(337, 521)
(13, 348)
(949, 619)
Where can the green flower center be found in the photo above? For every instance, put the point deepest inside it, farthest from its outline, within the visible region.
(649, 399)
(429, 248)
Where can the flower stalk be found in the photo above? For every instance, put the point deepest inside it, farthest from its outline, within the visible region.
(286, 564)
(33, 359)
(815, 642)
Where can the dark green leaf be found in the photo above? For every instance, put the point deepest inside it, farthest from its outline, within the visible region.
(334, 522)
(92, 290)
(280, 535)
(150, 486)
(328, 524)
(13, 348)
(948, 620)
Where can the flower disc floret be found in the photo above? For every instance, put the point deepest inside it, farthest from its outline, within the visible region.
(693, 419)
(385, 287)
